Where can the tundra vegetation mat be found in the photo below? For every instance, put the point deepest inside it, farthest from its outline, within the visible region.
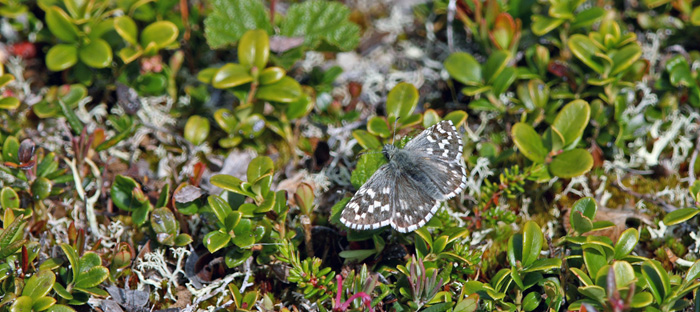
(358, 155)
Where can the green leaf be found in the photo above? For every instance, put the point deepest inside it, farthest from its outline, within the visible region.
(587, 206)
(220, 207)
(401, 101)
(140, 215)
(10, 149)
(657, 279)
(321, 23)
(624, 58)
(695, 16)
(624, 274)
(680, 215)
(571, 163)
(9, 103)
(10, 237)
(594, 292)
(581, 224)
(378, 126)
(229, 20)
(73, 259)
(529, 142)
(22, 304)
(61, 26)
(244, 237)
(531, 301)
(430, 117)
(96, 54)
(366, 140)
(230, 183)
(286, 90)
(571, 121)
(356, 254)
(595, 259)
(532, 243)
(502, 82)
(92, 277)
(464, 68)
(260, 172)
(254, 49)
(271, 75)
(39, 284)
(587, 17)
(43, 303)
(641, 300)
(299, 108)
(121, 193)
(586, 51)
(626, 243)
(495, 64)
(197, 129)
(366, 166)
(163, 221)
(61, 56)
(126, 28)
(161, 34)
(215, 240)
(41, 188)
(231, 75)
(541, 24)
(543, 265)
(183, 240)
(9, 198)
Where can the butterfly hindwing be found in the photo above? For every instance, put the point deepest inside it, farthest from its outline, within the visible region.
(413, 207)
(371, 207)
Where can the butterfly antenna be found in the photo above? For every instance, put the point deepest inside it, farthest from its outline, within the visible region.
(396, 121)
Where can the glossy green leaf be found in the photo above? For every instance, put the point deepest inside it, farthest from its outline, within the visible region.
(197, 129)
(531, 301)
(260, 172)
(594, 259)
(39, 284)
(121, 193)
(366, 166)
(231, 75)
(541, 24)
(657, 279)
(529, 142)
(61, 56)
(571, 163)
(43, 303)
(215, 240)
(625, 57)
(244, 236)
(10, 149)
(378, 126)
(254, 49)
(126, 28)
(230, 183)
(581, 224)
(96, 54)
(401, 101)
(532, 243)
(430, 117)
(92, 277)
(594, 292)
(626, 243)
(22, 304)
(544, 264)
(5, 78)
(61, 25)
(162, 33)
(586, 50)
(299, 108)
(229, 20)
(366, 140)
(220, 207)
(8, 198)
(271, 75)
(641, 300)
(495, 64)
(624, 274)
(206, 75)
(464, 68)
(41, 188)
(286, 90)
(163, 221)
(572, 120)
(680, 215)
(9, 103)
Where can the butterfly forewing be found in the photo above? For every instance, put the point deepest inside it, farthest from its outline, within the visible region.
(371, 207)
(441, 141)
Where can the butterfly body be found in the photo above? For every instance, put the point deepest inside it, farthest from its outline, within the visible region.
(406, 192)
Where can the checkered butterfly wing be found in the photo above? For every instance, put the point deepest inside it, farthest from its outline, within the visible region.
(371, 207)
(440, 146)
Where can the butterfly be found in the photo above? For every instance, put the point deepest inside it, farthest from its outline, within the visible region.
(407, 191)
